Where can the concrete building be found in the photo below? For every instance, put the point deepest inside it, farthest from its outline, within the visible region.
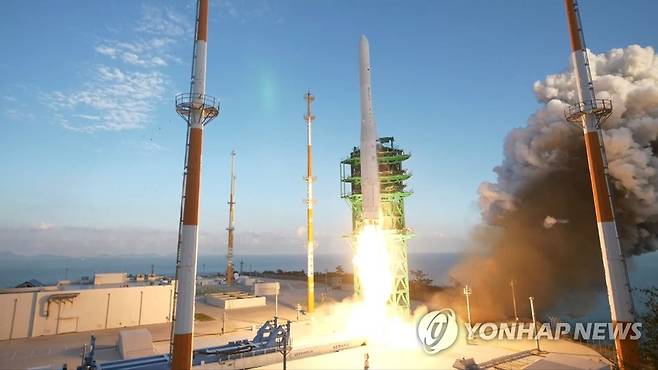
(109, 301)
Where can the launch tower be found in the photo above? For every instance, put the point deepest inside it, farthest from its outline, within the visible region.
(393, 192)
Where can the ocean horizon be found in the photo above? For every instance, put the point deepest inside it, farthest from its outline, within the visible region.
(48, 269)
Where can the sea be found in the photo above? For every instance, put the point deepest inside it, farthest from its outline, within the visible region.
(15, 269)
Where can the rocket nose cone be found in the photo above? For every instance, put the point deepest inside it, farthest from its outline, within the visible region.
(364, 50)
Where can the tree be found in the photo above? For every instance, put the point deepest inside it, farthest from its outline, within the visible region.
(420, 278)
(649, 341)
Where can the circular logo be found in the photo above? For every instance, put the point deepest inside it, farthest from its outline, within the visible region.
(437, 330)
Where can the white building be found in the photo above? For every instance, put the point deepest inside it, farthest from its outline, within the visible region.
(110, 301)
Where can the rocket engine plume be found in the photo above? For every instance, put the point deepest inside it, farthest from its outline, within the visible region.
(544, 172)
(371, 257)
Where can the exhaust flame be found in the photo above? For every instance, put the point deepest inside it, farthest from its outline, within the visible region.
(373, 267)
(373, 270)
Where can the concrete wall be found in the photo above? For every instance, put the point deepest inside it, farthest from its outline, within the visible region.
(234, 300)
(16, 315)
(91, 309)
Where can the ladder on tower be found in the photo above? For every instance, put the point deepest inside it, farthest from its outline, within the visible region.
(178, 248)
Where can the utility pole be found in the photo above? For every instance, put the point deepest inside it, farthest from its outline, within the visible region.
(534, 322)
(467, 292)
(516, 315)
(310, 243)
(231, 225)
(285, 342)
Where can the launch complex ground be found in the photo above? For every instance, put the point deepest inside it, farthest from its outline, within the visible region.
(51, 352)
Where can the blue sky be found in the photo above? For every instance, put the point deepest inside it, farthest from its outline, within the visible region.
(93, 149)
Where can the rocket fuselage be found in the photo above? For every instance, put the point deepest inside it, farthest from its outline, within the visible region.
(370, 187)
(616, 276)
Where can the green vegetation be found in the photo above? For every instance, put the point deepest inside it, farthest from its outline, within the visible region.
(202, 317)
(649, 319)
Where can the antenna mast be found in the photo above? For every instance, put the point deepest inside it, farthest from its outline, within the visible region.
(231, 224)
(310, 243)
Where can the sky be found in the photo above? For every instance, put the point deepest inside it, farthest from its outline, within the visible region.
(93, 148)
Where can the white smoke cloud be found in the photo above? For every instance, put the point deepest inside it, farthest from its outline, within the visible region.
(629, 77)
(551, 221)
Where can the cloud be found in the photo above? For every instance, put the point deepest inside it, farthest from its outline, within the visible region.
(45, 238)
(244, 11)
(152, 146)
(114, 100)
(151, 52)
(43, 226)
(163, 21)
(551, 221)
(120, 92)
(545, 172)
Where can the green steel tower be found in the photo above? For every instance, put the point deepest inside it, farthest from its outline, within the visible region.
(392, 177)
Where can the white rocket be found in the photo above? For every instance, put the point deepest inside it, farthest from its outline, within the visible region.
(369, 166)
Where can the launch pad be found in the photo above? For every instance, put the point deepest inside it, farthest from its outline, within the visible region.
(393, 192)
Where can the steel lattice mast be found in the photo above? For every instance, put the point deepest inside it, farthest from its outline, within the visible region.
(310, 243)
(590, 112)
(231, 224)
(197, 109)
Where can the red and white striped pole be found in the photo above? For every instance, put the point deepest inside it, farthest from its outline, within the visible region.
(310, 243)
(589, 112)
(198, 109)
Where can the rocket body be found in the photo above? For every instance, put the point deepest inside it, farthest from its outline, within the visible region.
(370, 188)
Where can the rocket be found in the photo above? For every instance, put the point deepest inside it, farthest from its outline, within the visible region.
(370, 187)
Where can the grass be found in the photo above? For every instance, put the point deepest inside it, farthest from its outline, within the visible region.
(202, 317)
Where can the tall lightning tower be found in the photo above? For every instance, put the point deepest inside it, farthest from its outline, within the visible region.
(231, 224)
(590, 112)
(310, 243)
(197, 109)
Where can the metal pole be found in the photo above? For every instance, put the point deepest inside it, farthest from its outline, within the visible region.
(13, 319)
(534, 322)
(198, 109)
(516, 315)
(231, 224)
(310, 243)
(224, 318)
(590, 112)
(276, 304)
(467, 292)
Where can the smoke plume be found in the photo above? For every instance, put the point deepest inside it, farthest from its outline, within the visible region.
(544, 172)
